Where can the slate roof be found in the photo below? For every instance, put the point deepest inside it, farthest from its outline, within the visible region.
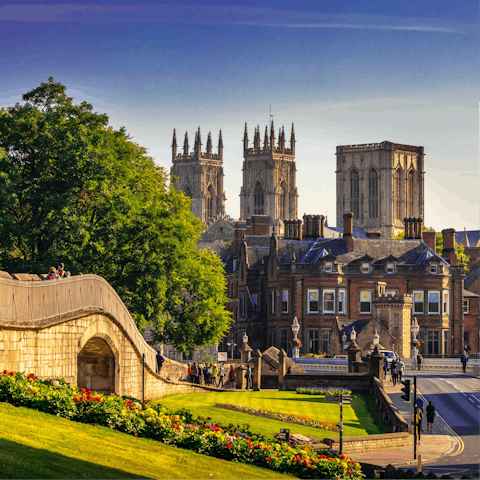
(270, 355)
(472, 236)
(471, 277)
(357, 232)
(468, 293)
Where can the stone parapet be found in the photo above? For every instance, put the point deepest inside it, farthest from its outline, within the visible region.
(369, 443)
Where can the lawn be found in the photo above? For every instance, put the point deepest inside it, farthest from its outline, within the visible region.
(357, 419)
(38, 445)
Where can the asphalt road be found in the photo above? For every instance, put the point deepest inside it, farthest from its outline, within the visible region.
(456, 399)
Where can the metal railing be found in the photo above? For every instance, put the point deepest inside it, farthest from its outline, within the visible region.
(51, 301)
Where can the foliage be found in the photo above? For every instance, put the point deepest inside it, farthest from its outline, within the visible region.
(156, 422)
(323, 391)
(74, 190)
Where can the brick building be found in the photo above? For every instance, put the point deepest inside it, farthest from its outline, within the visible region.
(328, 283)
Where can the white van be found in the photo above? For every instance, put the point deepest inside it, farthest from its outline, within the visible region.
(390, 356)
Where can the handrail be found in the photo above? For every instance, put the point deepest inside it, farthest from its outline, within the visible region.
(35, 303)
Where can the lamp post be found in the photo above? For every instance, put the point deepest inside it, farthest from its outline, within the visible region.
(376, 340)
(353, 334)
(414, 329)
(295, 330)
(344, 341)
(245, 338)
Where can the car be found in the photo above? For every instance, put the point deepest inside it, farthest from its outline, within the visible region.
(340, 357)
(390, 356)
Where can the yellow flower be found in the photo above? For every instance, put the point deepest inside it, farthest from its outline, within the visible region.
(277, 447)
(344, 465)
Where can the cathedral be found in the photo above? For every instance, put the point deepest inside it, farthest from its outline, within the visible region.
(381, 184)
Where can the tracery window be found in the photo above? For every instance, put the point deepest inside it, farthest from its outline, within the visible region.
(373, 194)
(410, 196)
(258, 200)
(354, 194)
(281, 202)
(210, 203)
(397, 193)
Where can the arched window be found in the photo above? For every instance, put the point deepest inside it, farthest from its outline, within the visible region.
(188, 192)
(281, 202)
(354, 194)
(210, 197)
(373, 193)
(258, 208)
(398, 193)
(410, 194)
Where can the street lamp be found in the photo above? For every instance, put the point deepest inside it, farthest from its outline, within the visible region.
(245, 338)
(376, 343)
(353, 334)
(295, 330)
(414, 329)
(344, 341)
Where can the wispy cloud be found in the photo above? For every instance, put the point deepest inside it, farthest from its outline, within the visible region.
(223, 15)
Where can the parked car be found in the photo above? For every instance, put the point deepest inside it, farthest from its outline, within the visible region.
(390, 356)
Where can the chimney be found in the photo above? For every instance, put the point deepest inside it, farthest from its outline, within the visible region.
(299, 230)
(348, 230)
(408, 227)
(240, 227)
(322, 226)
(449, 246)
(430, 239)
(419, 234)
(260, 225)
(316, 226)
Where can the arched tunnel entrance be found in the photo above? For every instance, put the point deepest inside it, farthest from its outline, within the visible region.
(96, 366)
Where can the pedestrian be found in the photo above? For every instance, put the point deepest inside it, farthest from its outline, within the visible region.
(232, 376)
(248, 377)
(419, 361)
(401, 369)
(160, 361)
(221, 376)
(61, 271)
(194, 373)
(208, 374)
(52, 274)
(419, 420)
(214, 375)
(394, 371)
(430, 410)
(385, 367)
(189, 372)
(464, 359)
(201, 376)
(420, 409)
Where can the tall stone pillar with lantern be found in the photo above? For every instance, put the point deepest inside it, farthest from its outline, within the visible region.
(375, 362)
(296, 341)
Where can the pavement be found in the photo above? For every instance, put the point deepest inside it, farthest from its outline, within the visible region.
(431, 446)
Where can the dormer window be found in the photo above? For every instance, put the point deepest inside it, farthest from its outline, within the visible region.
(365, 267)
(390, 268)
(329, 267)
(433, 268)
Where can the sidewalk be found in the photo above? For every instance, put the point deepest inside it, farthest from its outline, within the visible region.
(432, 445)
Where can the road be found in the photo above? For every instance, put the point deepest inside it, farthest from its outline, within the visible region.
(456, 399)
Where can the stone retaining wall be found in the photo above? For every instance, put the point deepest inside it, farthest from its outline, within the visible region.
(357, 382)
(369, 443)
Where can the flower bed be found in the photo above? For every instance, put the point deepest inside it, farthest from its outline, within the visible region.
(284, 417)
(173, 428)
(323, 391)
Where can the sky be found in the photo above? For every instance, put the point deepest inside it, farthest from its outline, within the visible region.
(344, 72)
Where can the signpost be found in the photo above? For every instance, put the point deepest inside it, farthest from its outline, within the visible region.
(222, 356)
(340, 399)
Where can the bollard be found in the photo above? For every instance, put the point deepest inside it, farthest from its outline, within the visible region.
(419, 468)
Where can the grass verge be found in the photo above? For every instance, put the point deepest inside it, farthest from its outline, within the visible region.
(357, 418)
(38, 445)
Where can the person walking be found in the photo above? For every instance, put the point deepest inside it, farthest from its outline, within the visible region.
(232, 375)
(221, 376)
(189, 372)
(214, 374)
(464, 360)
(394, 372)
(160, 361)
(419, 414)
(248, 377)
(401, 369)
(385, 367)
(430, 410)
(419, 361)
(194, 373)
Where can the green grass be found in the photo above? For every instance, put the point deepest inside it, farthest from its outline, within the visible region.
(357, 419)
(38, 445)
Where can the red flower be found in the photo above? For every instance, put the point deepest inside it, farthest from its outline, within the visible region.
(12, 374)
(349, 472)
(5, 372)
(342, 456)
(229, 446)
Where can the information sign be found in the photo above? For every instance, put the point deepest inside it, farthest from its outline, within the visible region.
(222, 356)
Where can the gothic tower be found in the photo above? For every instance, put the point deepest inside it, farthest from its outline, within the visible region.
(199, 175)
(381, 184)
(269, 185)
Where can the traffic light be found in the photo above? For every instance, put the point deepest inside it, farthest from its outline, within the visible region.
(406, 390)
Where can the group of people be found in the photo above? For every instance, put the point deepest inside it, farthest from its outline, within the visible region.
(214, 375)
(397, 369)
(56, 273)
(430, 411)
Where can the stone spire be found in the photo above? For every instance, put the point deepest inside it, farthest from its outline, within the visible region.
(185, 145)
(220, 145)
(198, 143)
(174, 145)
(292, 140)
(272, 137)
(245, 140)
(265, 139)
(209, 143)
(256, 139)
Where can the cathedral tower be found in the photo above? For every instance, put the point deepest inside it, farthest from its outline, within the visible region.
(200, 176)
(269, 185)
(381, 184)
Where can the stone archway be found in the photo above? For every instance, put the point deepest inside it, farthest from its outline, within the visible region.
(96, 366)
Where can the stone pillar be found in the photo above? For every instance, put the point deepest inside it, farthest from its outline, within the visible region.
(375, 364)
(245, 353)
(354, 357)
(240, 379)
(282, 366)
(257, 370)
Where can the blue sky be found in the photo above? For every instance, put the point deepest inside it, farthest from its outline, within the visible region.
(344, 72)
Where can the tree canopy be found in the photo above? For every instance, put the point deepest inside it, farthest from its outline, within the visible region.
(75, 190)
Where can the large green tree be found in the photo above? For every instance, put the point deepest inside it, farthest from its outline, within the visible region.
(75, 190)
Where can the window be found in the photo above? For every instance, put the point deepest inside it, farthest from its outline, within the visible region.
(446, 303)
(398, 193)
(445, 342)
(284, 339)
(433, 268)
(418, 302)
(326, 341)
(258, 200)
(433, 342)
(365, 267)
(354, 194)
(392, 293)
(281, 201)
(254, 301)
(466, 337)
(465, 306)
(312, 301)
(341, 302)
(313, 341)
(410, 194)
(365, 301)
(329, 301)
(390, 268)
(373, 194)
(395, 320)
(433, 303)
(242, 305)
(284, 301)
(329, 267)
(272, 302)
